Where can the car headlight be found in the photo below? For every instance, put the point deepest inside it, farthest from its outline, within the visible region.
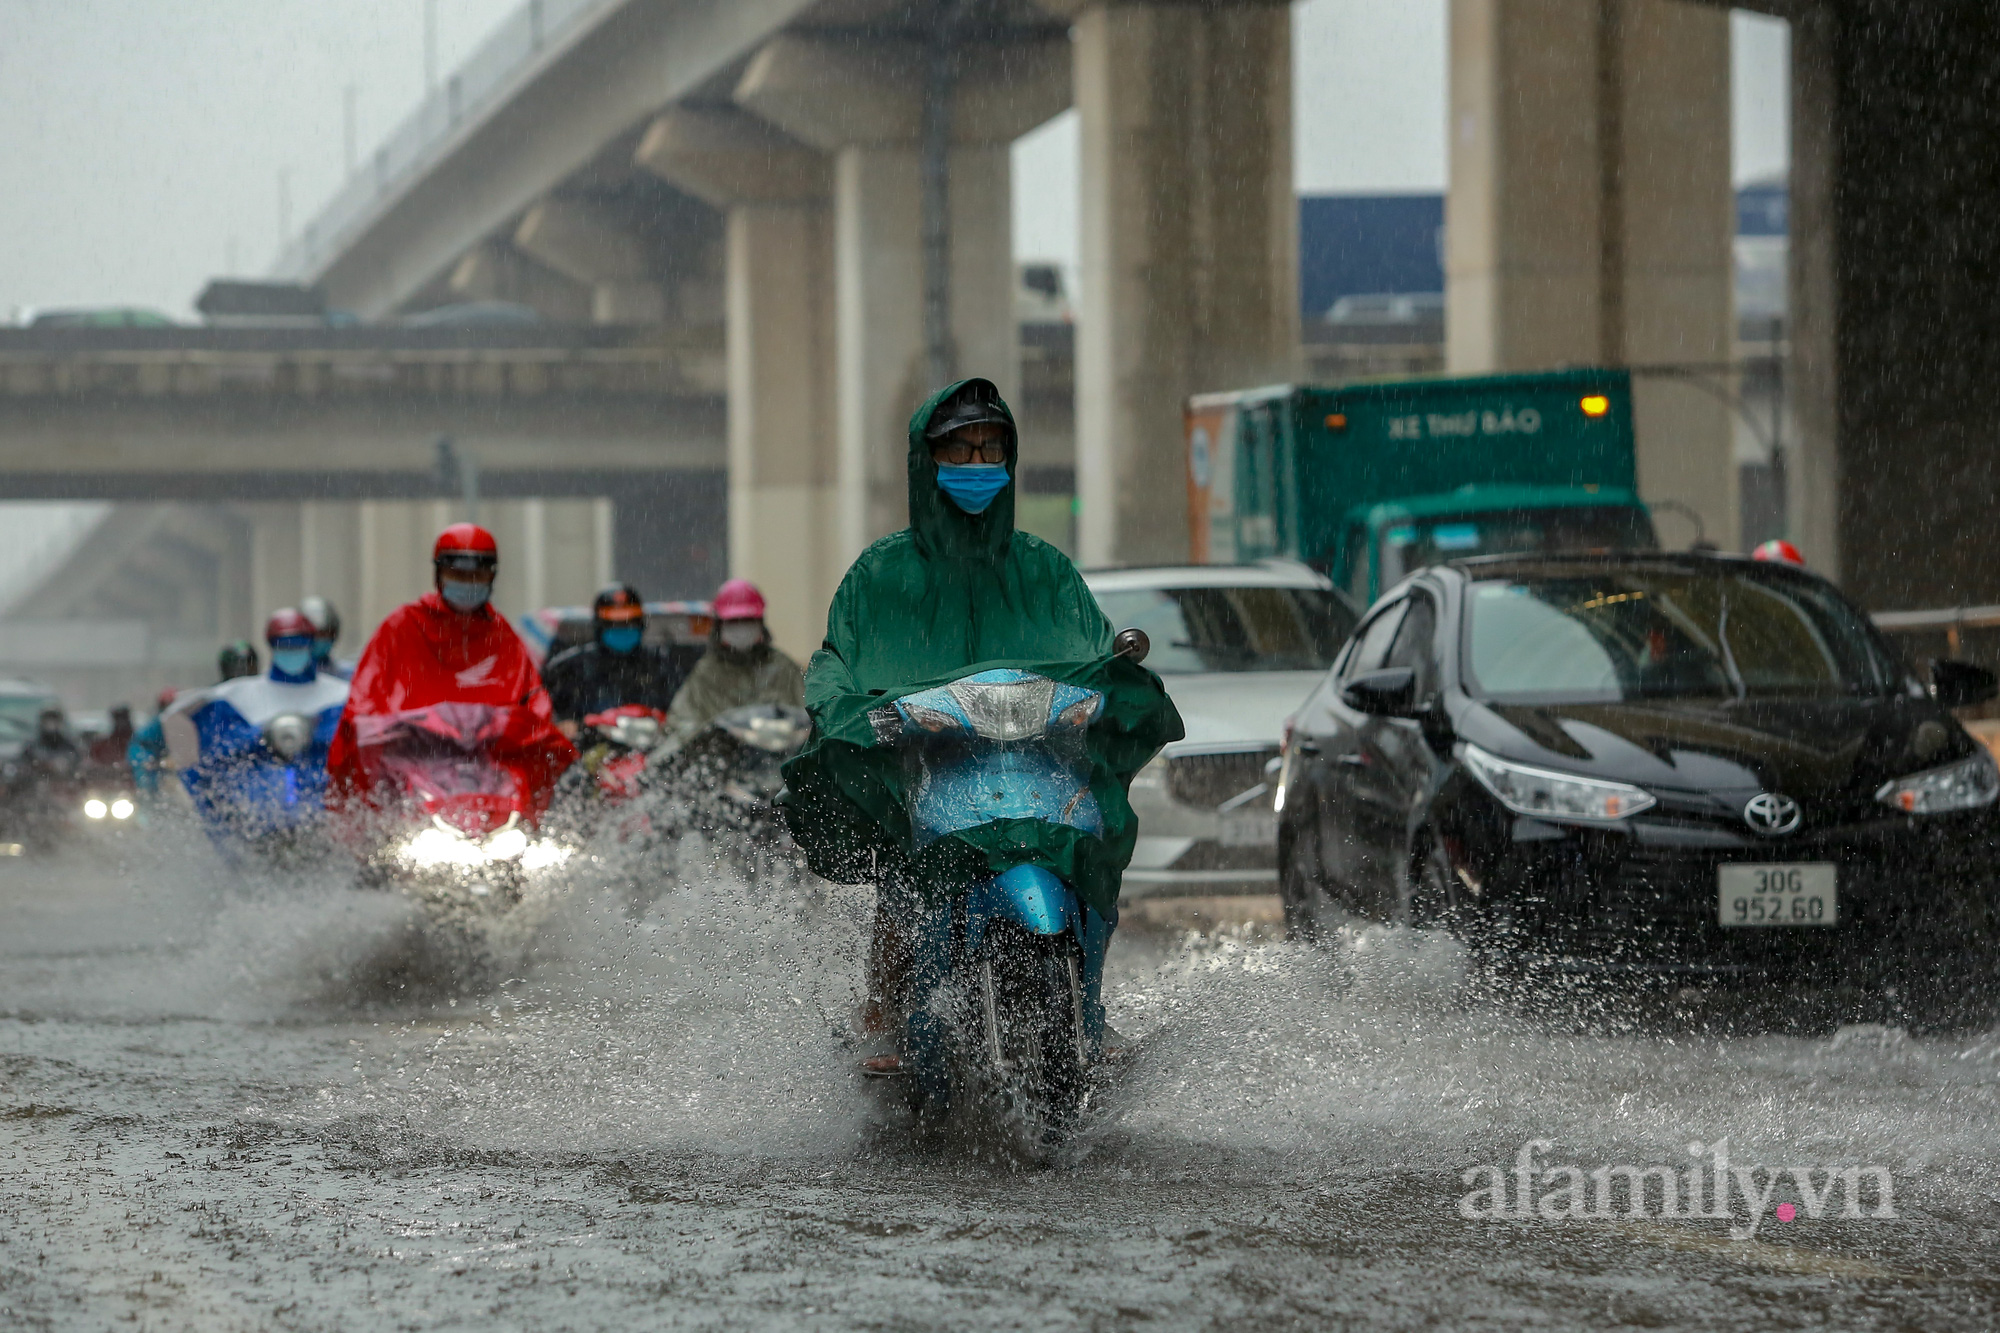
(1965, 785)
(95, 808)
(121, 809)
(1547, 794)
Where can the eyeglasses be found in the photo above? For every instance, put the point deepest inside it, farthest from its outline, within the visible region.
(960, 452)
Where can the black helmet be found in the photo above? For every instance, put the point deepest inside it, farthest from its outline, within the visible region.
(975, 402)
(325, 619)
(237, 659)
(618, 601)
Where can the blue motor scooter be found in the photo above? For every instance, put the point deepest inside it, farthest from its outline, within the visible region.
(252, 754)
(1004, 1001)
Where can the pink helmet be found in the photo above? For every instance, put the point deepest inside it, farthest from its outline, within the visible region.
(739, 599)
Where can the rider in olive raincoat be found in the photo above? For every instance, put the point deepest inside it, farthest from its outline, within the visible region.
(953, 593)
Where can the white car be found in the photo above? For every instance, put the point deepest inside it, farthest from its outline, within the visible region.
(1239, 647)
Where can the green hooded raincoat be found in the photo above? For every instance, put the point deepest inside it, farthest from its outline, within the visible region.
(952, 594)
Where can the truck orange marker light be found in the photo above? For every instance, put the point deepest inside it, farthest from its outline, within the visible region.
(1336, 421)
(1595, 405)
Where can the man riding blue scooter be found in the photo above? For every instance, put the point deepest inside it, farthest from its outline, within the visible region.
(974, 733)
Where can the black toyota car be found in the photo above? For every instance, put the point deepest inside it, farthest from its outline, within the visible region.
(1683, 765)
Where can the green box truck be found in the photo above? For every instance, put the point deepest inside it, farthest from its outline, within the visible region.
(1372, 481)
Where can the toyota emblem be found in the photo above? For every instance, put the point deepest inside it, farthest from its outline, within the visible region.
(1769, 813)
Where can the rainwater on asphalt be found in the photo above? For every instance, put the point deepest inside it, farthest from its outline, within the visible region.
(235, 1101)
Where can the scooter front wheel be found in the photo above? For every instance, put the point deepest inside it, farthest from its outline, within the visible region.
(1033, 1047)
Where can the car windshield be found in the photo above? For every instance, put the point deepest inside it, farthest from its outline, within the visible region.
(1617, 634)
(1421, 543)
(1233, 629)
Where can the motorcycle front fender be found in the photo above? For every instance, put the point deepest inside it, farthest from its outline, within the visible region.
(1027, 895)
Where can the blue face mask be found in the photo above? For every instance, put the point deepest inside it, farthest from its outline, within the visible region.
(466, 596)
(621, 638)
(292, 661)
(972, 486)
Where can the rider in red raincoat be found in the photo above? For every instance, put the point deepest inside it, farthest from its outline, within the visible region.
(449, 647)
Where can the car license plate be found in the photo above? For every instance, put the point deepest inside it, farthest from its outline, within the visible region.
(1249, 828)
(1791, 894)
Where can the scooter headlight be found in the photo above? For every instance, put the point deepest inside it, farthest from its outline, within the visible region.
(288, 735)
(436, 846)
(543, 854)
(507, 844)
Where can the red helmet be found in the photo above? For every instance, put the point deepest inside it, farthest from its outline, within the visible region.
(1780, 550)
(286, 623)
(465, 539)
(739, 599)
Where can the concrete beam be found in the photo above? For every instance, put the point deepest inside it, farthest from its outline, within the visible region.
(583, 244)
(101, 446)
(832, 92)
(492, 271)
(1592, 217)
(1189, 248)
(728, 158)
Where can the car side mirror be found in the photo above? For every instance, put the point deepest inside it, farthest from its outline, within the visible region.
(1131, 644)
(1385, 693)
(1961, 684)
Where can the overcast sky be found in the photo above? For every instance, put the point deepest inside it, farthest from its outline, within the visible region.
(141, 141)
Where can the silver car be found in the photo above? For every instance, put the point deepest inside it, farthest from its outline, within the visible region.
(1239, 647)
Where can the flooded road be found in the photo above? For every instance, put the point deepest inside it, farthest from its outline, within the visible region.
(220, 1109)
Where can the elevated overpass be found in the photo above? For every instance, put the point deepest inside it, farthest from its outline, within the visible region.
(307, 460)
(721, 201)
(1588, 199)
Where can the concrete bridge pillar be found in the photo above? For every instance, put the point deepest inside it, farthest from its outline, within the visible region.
(330, 562)
(396, 538)
(783, 427)
(1895, 332)
(860, 102)
(1189, 247)
(1590, 217)
(276, 559)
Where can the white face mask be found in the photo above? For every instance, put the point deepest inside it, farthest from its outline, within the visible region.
(741, 635)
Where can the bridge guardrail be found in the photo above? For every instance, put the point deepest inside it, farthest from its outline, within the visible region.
(525, 41)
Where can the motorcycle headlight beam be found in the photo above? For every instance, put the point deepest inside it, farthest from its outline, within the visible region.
(506, 844)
